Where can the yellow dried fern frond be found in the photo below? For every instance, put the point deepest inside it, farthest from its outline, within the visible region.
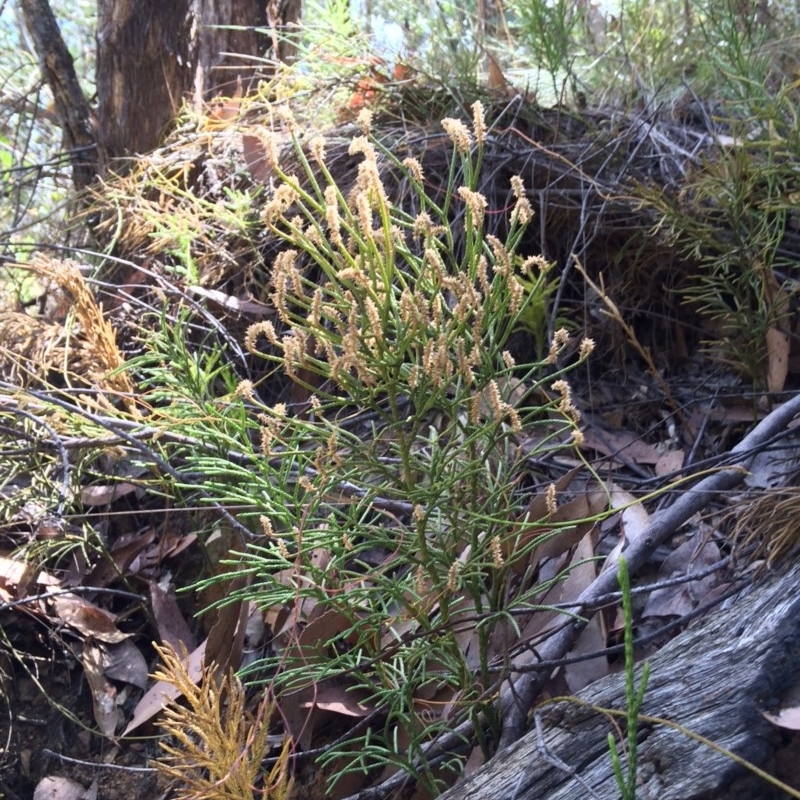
(214, 747)
(74, 341)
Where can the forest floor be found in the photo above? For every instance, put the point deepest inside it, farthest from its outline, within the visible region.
(50, 713)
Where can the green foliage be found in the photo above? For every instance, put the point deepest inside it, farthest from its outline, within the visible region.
(738, 287)
(548, 32)
(626, 781)
(331, 43)
(652, 50)
(731, 220)
(383, 499)
(540, 288)
(185, 375)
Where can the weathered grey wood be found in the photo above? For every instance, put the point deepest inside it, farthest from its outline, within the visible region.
(713, 679)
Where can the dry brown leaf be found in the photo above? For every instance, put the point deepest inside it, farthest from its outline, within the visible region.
(120, 558)
(541, 623)
(298, 716)
(778, 346)
(677, 601)
(536, 628)
(87, 618)
(172, 627)
(541, 524)
(496, 80)
(124, 662)
(621, 442)
(278, 620)
(255, 629)
(255, 156)
(298, 709)
(736, 412)
(462, 621)
(592, 639)
(503, 637)
(106, 494)
(777, 342)
(556, 536)
(634, 522)
(54, 787)
(248, 306)
(339, 700)
(14, 575)
(426, 604)
(107, 713)
(475, 760)
(170, 545)
(562, 539)
(222, 108)
(669, 462)
(788, 718)
(310, 645)
(537, 508)
(225, 643)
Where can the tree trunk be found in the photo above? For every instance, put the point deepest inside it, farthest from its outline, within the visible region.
(713, 680)
(154, 55)
(72, 109)
(151, 57)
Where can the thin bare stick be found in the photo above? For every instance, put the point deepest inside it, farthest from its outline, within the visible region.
(614, 312)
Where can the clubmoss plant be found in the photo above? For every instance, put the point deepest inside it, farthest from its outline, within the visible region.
(626, 780)
(386, 494)
(212, 746)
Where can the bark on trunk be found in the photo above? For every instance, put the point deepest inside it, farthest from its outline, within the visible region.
(143, 71)
(714, 680)
(72, 109)
(153, 55)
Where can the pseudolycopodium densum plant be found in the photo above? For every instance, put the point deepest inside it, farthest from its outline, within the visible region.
(387, 494)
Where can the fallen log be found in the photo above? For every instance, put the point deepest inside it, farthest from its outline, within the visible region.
(713, 680)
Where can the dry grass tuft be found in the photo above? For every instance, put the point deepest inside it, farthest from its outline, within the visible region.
(765, 528)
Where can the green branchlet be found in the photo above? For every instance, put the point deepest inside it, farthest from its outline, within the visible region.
(626, 779)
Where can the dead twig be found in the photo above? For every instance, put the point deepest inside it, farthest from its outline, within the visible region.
(614, 312)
